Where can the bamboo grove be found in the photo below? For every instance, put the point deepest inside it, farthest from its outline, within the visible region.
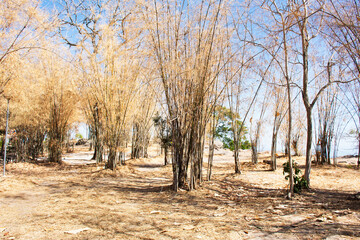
(179, 68)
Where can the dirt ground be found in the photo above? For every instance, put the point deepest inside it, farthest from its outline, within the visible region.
(84, 201)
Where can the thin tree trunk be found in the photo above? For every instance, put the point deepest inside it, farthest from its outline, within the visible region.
(201, 158)
(273, 152)
(287, 141)
(178, 161)
(121, 161)
(98, 153)
(236, 158)
(211, 147)
(97, 141)
(210, 160)
(291, 180)
(358, 165)
(165, 155)
(291, 177)
(236, 148)
(274, 144)
(134, 149)
(254, 155)
(308, 106)
(308, 146)
(111, 163)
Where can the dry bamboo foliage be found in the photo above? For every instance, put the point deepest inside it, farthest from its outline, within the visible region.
(115, 64)
(188, 44)
(111, 68)
(143, 122)
(22, 26)
(48, 90)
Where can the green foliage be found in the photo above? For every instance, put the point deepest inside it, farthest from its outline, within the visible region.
(78, 136)
(163, 131)
(225, 132)
(354, 133)
(299, 181)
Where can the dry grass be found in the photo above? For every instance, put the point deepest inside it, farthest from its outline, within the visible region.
(43, 201)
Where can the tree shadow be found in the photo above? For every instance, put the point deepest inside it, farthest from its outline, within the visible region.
(224, 191)
(312, 226)
(149, 165)
(20, 196)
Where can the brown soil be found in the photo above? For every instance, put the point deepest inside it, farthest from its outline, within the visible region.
(45, 201)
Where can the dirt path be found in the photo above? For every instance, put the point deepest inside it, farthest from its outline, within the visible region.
(47, 201)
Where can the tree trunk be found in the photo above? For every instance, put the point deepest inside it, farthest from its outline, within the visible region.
(287, 142)
(91, 146)
(211, 148)
(94, 155)
(98, 153)
(254, 154)
(134, 149)
(334, 153)
(201, 158)
(287, 77)
(236, 142)
(165, 155)
(193, 146)
(308, 145)
(175, 168)
(273, 152)
(111, 163)
(2, 146)
(98, 146)
(305, 96)
(236, 151)
(358, 163)
(273, 145)
(178, 161)
(210, 159)
(323, 147)
(291, 180)
(236, 158)
(119, 156)
(55, 150)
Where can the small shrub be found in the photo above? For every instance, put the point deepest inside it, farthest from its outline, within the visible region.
(78, 136)
(299, 181)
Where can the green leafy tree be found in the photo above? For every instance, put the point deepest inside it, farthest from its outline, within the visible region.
(79, 136)
(164, 134)
(225, 131)
(299, 180)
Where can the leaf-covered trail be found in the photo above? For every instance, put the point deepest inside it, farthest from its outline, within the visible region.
(46, 201)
